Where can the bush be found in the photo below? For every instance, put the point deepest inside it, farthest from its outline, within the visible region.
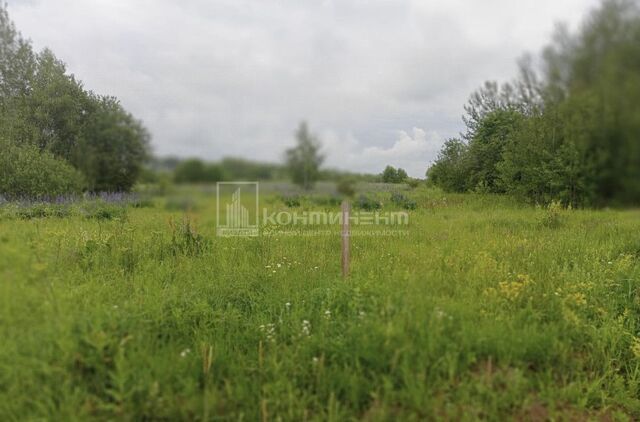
(291, 201)
(103, 211)
(367, 203)
(26, 172)
(327, 200)
(402, 201)
(554, 215)
(346, 187)
(413, 183)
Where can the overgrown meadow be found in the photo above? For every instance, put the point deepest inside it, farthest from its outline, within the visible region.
(117, 309)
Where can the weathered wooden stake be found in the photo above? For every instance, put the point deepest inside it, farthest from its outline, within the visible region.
(346, 208)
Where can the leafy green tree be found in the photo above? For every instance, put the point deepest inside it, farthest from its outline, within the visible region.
(450, 170)
(389, 174)
(392, 175)
(401, 175)
(41, 105)
(486, 146)
(304, 160)
(113, 149)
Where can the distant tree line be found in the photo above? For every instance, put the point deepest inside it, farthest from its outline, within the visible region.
(55, 136)
(569, 133)
(199, 171)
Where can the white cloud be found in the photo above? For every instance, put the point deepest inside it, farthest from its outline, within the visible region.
(411, 151)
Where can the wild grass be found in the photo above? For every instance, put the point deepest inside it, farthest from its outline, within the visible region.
(485, 309)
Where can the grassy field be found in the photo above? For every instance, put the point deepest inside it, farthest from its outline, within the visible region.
(483, 309)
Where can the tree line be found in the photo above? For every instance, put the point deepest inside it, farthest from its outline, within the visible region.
(567, 130)
(302, 165)
(56, 137)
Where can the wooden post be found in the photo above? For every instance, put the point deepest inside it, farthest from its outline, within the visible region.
(346, 208)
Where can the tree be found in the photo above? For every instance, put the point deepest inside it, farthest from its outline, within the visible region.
(113, 147)
(450, 171)
(304, 160)
(41, 105)
(486, 147)
(393, 175)
(389, 174)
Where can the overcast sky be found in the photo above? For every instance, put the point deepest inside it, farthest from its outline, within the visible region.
(381, 82)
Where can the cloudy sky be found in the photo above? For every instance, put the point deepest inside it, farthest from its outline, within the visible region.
(380, 81)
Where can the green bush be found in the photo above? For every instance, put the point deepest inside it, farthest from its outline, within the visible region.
(26, 172)
(403, 201)
(291, 201)
(368, 203)
(99, 210)
(346, 187)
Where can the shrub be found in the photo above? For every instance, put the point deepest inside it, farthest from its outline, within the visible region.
(327, 200)
(554, 215)
(26, 172)
(291, 201)
(102, 211)
(367, 203)
(346, 187)
(402, 201)
(413, 183)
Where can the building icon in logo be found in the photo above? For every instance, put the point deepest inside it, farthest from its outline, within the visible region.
(240, 217)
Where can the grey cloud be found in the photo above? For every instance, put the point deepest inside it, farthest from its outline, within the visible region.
(387, 79)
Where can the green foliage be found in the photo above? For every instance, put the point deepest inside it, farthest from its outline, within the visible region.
(367, 203)
(41, 105)
(99, 210)
(486, 147)
(114, 147)
(393, 175)
(554, 215)
(304, 160)
(570, 137)
(26, 172)
(346, 187)
(240, 169)
(413, 183)
(403, 201)
(197, 171)
(449, 171)
(291, 201)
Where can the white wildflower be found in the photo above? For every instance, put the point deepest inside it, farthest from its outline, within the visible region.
(269, 331)
(306, 328)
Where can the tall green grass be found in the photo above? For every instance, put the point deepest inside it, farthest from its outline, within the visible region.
(484, 309)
